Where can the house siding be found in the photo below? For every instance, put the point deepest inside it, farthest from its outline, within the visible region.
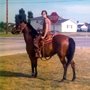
(56, 27)
(68, 26)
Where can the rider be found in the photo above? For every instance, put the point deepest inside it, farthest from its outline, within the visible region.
(46, 24)
(45, 32)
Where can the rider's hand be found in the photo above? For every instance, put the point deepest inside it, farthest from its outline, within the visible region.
(42, 37)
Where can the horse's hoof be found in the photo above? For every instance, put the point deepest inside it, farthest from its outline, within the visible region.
(63, 79)
(74, 79)
(32, 76)
(35, 75)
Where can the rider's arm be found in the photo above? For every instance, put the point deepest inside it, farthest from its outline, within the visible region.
(47, 28)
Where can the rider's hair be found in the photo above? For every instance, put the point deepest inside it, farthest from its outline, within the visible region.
(44, 11)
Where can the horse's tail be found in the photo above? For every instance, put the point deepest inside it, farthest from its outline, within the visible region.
(71, 50)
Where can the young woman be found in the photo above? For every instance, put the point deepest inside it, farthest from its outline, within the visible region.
(45, 32)
(46, 24)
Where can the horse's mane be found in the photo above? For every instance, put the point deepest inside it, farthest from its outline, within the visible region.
(33, 31)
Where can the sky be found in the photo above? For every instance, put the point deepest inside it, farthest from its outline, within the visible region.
(76, 10)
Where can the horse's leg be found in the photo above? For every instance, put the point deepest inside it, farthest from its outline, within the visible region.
(70, 61)
(73, 68)
(65, 69)
(63, 61)
(34, 66)
(70, 54)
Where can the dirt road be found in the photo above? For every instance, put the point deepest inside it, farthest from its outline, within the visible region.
(13, 45)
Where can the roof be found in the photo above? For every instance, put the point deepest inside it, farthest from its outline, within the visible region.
(80, 25)
(40, 18)
(37, 18)
(61, 21)
(57, 23)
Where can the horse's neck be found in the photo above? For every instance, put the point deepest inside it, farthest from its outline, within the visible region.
(27, 37)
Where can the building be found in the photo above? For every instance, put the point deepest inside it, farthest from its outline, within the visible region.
(83, 27)
(62, 25)
(66, 25)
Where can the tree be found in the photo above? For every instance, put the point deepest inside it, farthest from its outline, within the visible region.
(30, 16)
(21, 11)
(2, 26)
(17, 21)
(20, 17)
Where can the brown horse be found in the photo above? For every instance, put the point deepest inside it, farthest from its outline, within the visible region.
(61, 45)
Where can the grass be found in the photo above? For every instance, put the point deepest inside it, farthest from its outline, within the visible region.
(15, 69)
(3, 34)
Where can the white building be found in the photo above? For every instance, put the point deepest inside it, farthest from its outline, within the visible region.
(68, 26)
(84, 27)
(62, 25)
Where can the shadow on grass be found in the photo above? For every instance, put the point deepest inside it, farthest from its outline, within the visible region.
(13, 74)
(17, 74)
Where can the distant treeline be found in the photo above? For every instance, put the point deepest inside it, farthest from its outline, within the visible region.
(2, 26)
(18, 17)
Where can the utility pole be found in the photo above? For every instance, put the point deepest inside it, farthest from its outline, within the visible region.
(6, 16)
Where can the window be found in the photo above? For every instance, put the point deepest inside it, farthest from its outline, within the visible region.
(69, 26)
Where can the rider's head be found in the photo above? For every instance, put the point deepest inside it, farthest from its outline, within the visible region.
(44, 13)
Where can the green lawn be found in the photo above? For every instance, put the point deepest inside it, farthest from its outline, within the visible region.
(15, 71)
(3, 34)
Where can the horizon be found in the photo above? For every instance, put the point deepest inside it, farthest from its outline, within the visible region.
(76, 10)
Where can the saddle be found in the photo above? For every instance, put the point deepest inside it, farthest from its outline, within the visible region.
(44, 45)
(47, 39)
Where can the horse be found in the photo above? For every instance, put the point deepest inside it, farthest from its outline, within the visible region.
(62, 45)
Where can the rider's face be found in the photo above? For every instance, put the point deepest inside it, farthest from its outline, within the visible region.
(44, 14)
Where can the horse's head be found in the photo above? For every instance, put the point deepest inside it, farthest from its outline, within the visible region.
(19, 27)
